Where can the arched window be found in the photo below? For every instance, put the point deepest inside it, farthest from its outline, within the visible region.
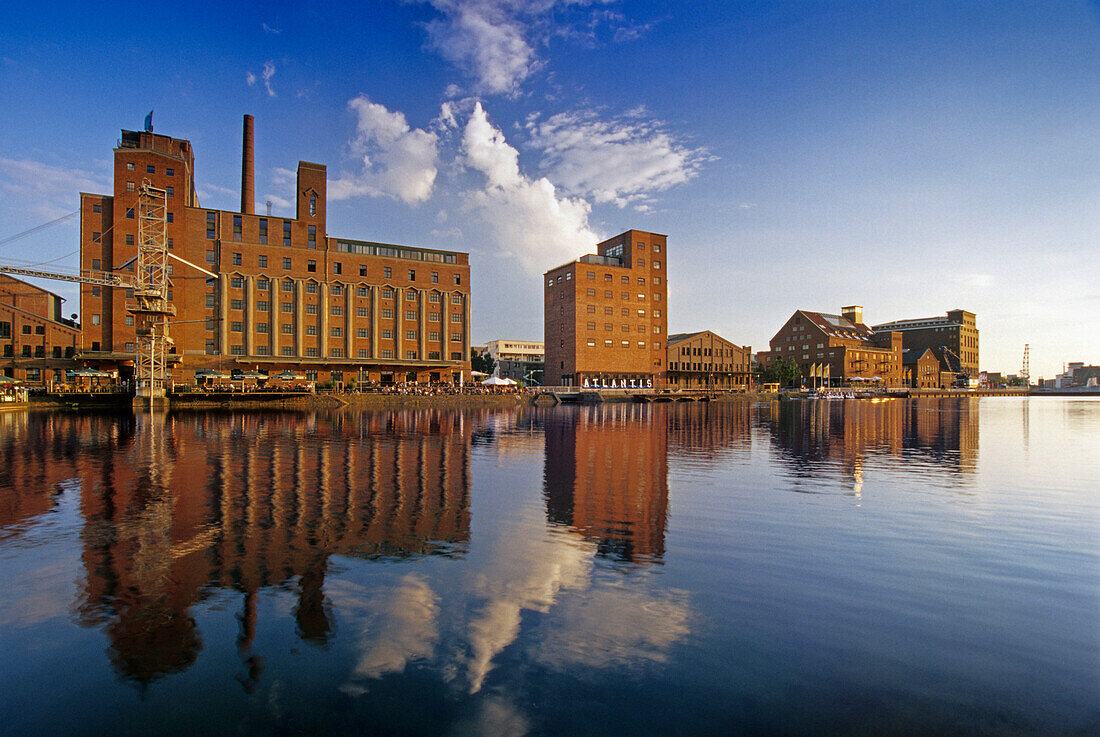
(312, 203)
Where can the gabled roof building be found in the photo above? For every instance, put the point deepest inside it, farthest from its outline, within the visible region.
(706, 360)
(839, 349)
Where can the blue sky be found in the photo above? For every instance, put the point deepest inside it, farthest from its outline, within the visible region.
(909, 157)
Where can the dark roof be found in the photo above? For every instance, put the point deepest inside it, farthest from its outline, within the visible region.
(677, 337)
(837, 326)
(910, 355)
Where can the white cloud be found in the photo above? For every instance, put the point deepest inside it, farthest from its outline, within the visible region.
(250, 78)
(50, 191)
(529, 220)
(488, 39)
(398, 161)
(622, 161)
(268, 73)
(271, 29)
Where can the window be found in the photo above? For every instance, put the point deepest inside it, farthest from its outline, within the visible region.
(337, 267)
(286, 240)
(311, 288)
(95, 291)
(387, 353)
(261, 306)
(171, 217)
(95, 321)
(96, 264)
(170, 191)
(456, 317)
(311, 309)
(150, 169)
(656, 264)
(288, 286)
(362, 270)
(360, 332)
(210, 300)
(641, 262)
(433, 336)
(287, 350)
(263, 284)
(287, 307)
(387, 334)
(657, 247)
(129, 166)
(624, 279)
(410, 335)
(591, 292)
(433, 317)
(312, 204)
(410, 355)
(236, 304)
(130, 213)
(435, 277)
(362, 353)
(211, 323)
(410, 314)
(591, 343)
(458, 278)
(336, 332)
(592, 308)
(641, 280)
(211, 225)
(129, 186)
(387, 272)
(261, 327)
(286, 329)
(456, 299)
(236, 259)
(626, 296)
(312, 353)
(608, 310)
(456, 337)
(337, 290)
(262, 350)
(336, 309)
(27, 350)
(410, 295)
(311, 329)
(236, 282)
(433, 355)
(312, 237)
(412, 274)
(337, 352)
(129, 240)
(360, 311)
(236, 327)
(170, 244)
(311, 266)
(591, 326)
(360, 291)
(263, 237)
(170, 172)
(387, 314)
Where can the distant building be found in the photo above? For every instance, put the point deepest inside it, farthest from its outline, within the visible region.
(1077, 374)
(707, 360)
(952, 338)
(37, 343)
(606, 316)
(922, 368)
(839, 347)
(521, 360)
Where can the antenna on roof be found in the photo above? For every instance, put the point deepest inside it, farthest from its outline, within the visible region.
(268, 203)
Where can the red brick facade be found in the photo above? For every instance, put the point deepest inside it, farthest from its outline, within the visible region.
(286, 296)
(606, 314)
(37, 344)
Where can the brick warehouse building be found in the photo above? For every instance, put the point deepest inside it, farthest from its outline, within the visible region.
(707, 360)
(286, 296)
(843, 343)
(37, 344)
(953, 339)
(605, 314)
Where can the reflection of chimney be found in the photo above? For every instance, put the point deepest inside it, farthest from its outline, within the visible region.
(852, 313)
(248, 185)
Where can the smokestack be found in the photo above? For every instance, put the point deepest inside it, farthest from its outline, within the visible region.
(248, 179)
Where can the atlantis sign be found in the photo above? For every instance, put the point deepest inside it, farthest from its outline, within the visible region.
(600, 383)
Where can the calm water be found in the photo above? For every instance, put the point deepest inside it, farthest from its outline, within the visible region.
(812, 568)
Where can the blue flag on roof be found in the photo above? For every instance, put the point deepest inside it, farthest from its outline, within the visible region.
(149, 122)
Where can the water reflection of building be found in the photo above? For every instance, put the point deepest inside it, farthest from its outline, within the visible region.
(239, 503)
(606, 476)
(827, 434)
(709, 428)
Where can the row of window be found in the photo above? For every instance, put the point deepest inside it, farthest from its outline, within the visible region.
(150, 169)
(622, 344)
(337, 290)
(263, 350)
(687, 366)
(625, 328)
(38, 351)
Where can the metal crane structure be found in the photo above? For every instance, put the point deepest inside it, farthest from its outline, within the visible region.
(1025, 370)
(149, 282)
(961, 373)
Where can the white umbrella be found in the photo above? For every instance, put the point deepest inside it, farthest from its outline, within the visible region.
(497, 381)
(478, 373)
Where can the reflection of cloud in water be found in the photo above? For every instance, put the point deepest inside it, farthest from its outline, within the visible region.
(527, 572)
(494, 716)
(396, 624)
(615, 626)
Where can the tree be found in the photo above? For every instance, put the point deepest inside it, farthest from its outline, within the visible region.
(481, 362)
(781, 371)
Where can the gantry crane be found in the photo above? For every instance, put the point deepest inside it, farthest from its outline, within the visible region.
(149, 282)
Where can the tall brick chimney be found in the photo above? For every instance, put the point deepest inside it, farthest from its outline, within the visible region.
(248, 179)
